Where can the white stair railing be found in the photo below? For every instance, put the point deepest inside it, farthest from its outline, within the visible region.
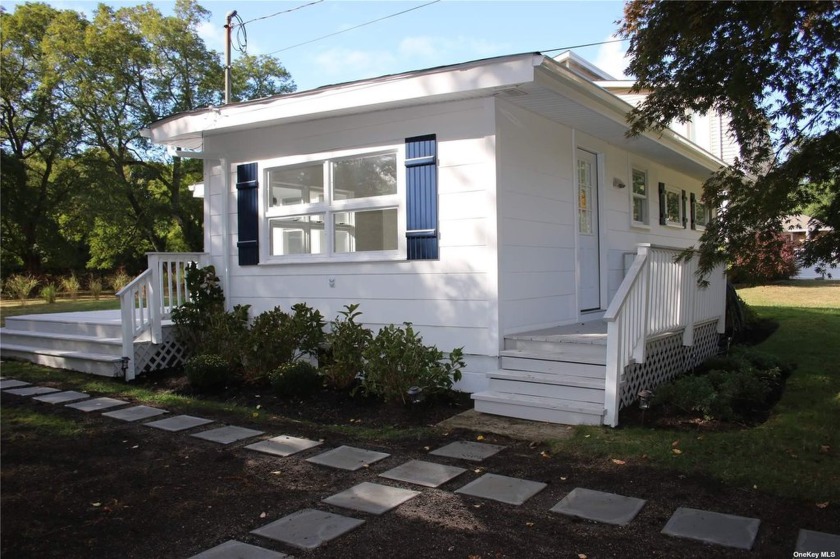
(659, 294)
(149, 298)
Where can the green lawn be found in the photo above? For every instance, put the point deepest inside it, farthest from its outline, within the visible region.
(796, 453)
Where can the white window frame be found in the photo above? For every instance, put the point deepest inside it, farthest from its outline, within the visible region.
(680, 220)
(645, 199)
(329, 207)
(707, 210)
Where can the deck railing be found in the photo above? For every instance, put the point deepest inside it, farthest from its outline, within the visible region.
(148, 300)
(660, 294)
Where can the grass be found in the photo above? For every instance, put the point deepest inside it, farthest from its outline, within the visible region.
(38, 306)
(30, 422)
(796, 453)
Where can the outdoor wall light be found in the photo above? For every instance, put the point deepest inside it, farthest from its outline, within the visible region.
(618, 183)
(124, 365)
(415, 394)
(644, 399)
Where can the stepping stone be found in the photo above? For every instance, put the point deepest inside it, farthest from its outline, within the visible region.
(510, 490)
(308, 528)
(178, 423)
(227, 435)
(348, 458)
(96, 404)
(468, 450)
(32, 391)
(233, 549)
(283, 445)
(371, 497)
(599, 506)
(818, 542)
(135, 413)
(427, 474)
(713, 527)
(12, 383)
(61, 397)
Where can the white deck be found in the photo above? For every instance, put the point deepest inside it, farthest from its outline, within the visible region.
(592, 332)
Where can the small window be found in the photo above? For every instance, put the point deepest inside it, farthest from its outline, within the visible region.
(640, 197)
(702, 214)
(673, 207)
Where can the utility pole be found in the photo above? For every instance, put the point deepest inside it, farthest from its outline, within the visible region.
(230, 16)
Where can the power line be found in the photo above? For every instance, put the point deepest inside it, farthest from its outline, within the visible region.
(586, 45)
(242, 23)
(356, 27)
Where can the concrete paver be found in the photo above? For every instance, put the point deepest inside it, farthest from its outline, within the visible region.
(62, 397)
(31, 390)
(810, 541)
(348, 458)
(178, 423)
(7, 383)
(227, 434)
(308, 528)
(468, 450)
(427, 474)
(510, 490)
(233, 549)
(135, 413)
(599, 506)
(713, 527)
(284, 445)
(371, 497)
(96, 404)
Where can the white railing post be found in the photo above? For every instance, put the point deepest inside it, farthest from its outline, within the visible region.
(612, 382)
(155, 297)
(690, 287)
(127, 320)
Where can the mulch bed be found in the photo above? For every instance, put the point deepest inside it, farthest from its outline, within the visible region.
(127, 491)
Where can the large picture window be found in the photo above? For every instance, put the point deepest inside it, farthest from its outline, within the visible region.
(334, 206)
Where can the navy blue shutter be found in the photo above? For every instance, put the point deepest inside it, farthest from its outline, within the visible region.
(684, 213)
(247, 207)
(421, 198)
(663, 220)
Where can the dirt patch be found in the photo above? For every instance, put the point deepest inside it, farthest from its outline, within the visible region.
(127, 491)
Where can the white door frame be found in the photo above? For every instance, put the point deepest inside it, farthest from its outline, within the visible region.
(599, 208)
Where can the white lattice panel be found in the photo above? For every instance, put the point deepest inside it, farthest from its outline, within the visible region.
(154, 357)
(666, 358)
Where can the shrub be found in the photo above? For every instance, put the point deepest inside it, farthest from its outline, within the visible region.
(347, 341)
(21, 286)
(208, 372)
(299, 379)
(71, 286)
(49, 293)
(772, 257)
(119, 280)
(277, 337)
(95, 287)
(397, 360)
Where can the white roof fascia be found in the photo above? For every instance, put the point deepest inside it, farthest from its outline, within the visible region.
(595, 97)
(483, 77)
(570, 59)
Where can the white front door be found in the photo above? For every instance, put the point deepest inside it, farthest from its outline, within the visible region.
(589, 257)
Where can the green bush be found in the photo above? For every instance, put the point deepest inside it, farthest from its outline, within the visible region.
(277, 337)
(119, 279)
(208, 372)
(71, 286)
(49, 293)
(21, 287)
(396, 360)
(299, 379)
(347, 341)
(95, 287)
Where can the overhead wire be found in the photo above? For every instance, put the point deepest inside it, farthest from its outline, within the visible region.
(586, 45)
(279, 13)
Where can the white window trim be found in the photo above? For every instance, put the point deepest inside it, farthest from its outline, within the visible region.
(329, 208)
(668, 221)
(633, 222)
(697, 225)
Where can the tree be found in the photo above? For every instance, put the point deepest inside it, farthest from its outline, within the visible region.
(774, 69)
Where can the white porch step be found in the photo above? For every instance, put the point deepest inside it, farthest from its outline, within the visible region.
(71, 324)
(537, 408)
(67, 342)
(561, 387)
(580, 350)
(554, 362)
(92, 363)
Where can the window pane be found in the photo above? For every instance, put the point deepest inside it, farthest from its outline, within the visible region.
(365, 230)
(374, 175)
(298, 235)
(672, 207)
(296, 185)
(639, 183)
(700, 216)
(640, 210)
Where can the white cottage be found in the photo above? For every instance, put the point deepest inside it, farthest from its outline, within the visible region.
(497, 205)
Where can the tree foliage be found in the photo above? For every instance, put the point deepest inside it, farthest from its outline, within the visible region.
(774, 69)
(75, 94)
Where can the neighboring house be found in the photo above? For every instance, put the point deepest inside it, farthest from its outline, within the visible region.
(497, 205)
(799, 229)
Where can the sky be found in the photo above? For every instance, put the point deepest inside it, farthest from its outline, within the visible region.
(438, 33)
